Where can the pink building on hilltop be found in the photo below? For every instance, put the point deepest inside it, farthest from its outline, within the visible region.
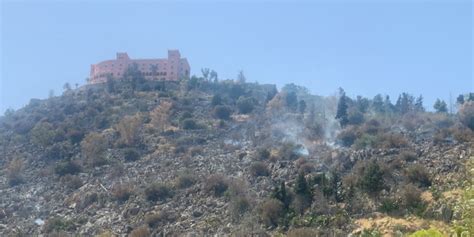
(170, 69)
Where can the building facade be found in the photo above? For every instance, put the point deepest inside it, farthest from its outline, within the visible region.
(169, 69)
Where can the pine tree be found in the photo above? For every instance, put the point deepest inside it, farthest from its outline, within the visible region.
(342, 106)
(440, 106)
(302, 188)
(378, 104)
(419, 104)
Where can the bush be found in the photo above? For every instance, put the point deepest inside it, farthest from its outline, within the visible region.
(42, 134)
(389, 206)
(93, 149)
(411, 197)
(216, 100)
(131, 154)
(238, 206)
(427, 233)
(58, 224)
(189, 124)
(155, 219)
(216, 184)
(466, 114)
(271, 211)
(303, 232)
(67, 167)
(263, 154)
(366, 140)
(222, 112)
(185, 180)
(259, 169)
(122, 192)
(347, 137)
(71, 181)
(157, 192)
(392, 140)
(408, 156)
(14, 172)
(371, 177)
(246, 105)
(418, 174)
(128, 130)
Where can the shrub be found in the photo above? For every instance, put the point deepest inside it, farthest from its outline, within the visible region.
(141, 231)
(93, 148)
(128, 129)
(246, 104)
(216, 100)
(271, 211)
(57, 224)
(347, 137)
(303, 232)
(392, 140)
(42, 134)
(157, 192)
(427, 233)
(71, 181)
(153, 220)
(371, 177)
(222, 112)
(418, 174)
(75, 136)
(67, 167)
(160, 115)
(216, 184)
(14, 172)
(238, 206)
(389, 205)
(466, 114)
(411, 197)
(408, 156)
(185, 180)
(131, 154)
(189, 124)
(366, 140)
(122, 192)
(259, 169)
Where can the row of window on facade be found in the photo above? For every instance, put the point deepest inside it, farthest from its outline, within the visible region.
(143, 65)
(141, 73)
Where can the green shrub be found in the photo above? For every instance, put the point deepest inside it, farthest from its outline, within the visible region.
(389, 205)
(189, 124)
(131, 154)
(67, 167)
(427, 233)
(122, 192)
(303, 232)
(185, 180)
(58, 224)
(371, 177)
(347, 136)
(222, 112)
(246, 104)
(263, 154)
(157, 192)
(366, 140)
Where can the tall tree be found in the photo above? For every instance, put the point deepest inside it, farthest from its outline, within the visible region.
(241, 77)
(377, 104)
(419, 104)
(440, 106)
(342, 106)
(205, 73)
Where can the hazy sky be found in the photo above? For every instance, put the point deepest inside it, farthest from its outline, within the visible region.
(366, 47)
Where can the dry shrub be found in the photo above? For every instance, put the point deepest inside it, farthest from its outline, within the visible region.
(392, 140)
(153, 220)
(270, 212)
(462, 133)
(418, 174)
(141, 231)
(466, 114)
(93, 147)
(411, 197)
(216, 184)
(185, 180)
(122, 192)
(303, 232)
(160, 116)
(14, 172)
(128, 129)
(408, 156)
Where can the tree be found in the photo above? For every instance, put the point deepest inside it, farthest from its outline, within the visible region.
(246, 104)
(110, 84)
(302, 106)
(302, 188)
(378, 104)
(205, 73)
(213, 76)
(388, 106)
(440, 106)
(67, 87)
(362, 104)
(128, 129)
(222, 112)
(342, 106)
(460, 99)
(241, 77)
(281, 194)
(133, 75)
(404, 103)
(419, 104)
(291, 100)
(43, 134)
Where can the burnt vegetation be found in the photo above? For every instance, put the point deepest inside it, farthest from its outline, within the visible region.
(230, 157)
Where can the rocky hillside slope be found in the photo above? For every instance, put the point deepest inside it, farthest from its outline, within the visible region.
(200, 158)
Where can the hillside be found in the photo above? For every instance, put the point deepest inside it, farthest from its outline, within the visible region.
(227, 158)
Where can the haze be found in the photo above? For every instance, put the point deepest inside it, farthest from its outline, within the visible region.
(366, 47)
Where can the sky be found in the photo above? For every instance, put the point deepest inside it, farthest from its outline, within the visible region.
(366, 47)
